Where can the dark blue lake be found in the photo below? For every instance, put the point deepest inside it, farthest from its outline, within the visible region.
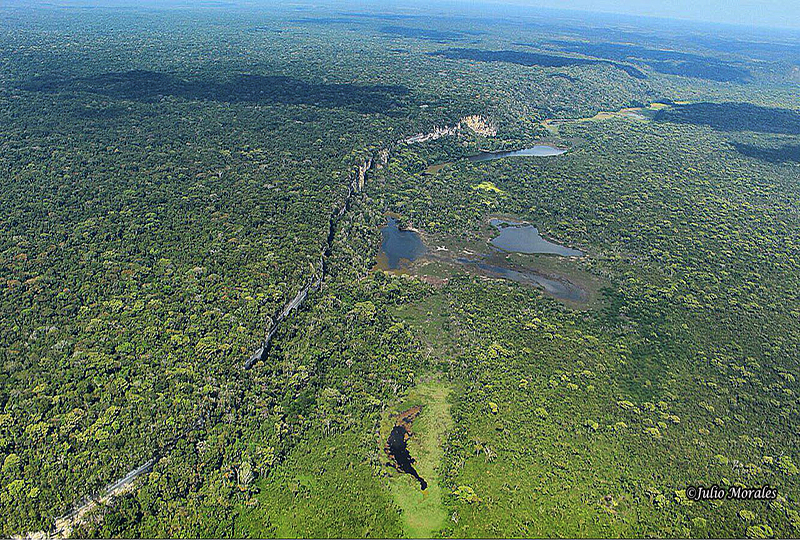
(399, 245)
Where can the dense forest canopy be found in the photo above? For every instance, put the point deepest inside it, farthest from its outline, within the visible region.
(172, 177)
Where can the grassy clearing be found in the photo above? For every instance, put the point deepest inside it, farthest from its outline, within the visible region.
(422, 511)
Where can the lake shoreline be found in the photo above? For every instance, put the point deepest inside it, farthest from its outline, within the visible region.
(408, 253)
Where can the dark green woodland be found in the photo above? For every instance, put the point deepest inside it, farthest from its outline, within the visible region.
(173, 178)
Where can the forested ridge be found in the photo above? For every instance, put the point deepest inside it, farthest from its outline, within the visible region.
(170, 180)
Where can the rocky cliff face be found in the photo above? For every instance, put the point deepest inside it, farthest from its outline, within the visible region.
(358, 178)
(437, 133)
(361, 174)
(479, 125)
(475, 123)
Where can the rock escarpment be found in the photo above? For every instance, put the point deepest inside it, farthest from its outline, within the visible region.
(358, 177)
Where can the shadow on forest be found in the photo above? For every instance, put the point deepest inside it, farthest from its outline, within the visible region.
(779, 49)
(532, 59)
(323, 21)
(150, 86)
(662, 61)
(562, 76)
(783, 154)
(440, 36)
(733, 116)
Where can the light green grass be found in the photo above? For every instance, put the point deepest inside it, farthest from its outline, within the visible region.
(422, 511)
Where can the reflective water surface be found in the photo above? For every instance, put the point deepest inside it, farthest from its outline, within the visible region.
(525, 238)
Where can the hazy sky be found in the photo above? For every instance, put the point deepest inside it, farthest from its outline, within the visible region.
(780, 13)
(765, 13)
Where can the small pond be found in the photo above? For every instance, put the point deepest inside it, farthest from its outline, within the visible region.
(525, 238)
(399, 245)
(537, 150)
(397, 448)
